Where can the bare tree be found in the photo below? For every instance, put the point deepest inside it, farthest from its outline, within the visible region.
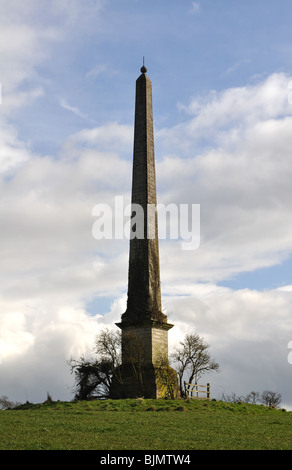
(267, 398)
(6, 404)
(270, 398)
(233, 398)
(192, 358)
(108, 347)
(93, 377)
(253, 397)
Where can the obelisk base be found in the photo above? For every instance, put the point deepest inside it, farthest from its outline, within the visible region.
(134, 382)
(145, 371)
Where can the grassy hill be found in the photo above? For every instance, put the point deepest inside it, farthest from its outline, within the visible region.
(145, 425)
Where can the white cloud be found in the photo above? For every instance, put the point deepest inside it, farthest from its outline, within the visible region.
(101, 69)
(35, 354)
(235, 66)
(97, 70)
(48, 251)
(73, 109)
(29, 32)
(231, 155)
(51, 264)
(195, 7)
(113, 136)
(25, 45)
(71, 12)
(240, 179)
(248, 332)
(13, 152)
(241, 106)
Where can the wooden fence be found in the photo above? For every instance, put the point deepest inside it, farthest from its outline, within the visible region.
(195, 391)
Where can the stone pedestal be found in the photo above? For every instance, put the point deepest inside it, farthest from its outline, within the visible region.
(144, 354)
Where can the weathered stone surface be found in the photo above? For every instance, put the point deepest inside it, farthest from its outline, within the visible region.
(144, 295)
(135, 383)
(144, 326)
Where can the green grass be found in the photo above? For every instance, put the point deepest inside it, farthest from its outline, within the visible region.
(145, 425)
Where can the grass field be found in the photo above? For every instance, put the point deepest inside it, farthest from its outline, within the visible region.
(145, 425)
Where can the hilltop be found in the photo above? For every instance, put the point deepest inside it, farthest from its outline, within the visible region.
(140, 424)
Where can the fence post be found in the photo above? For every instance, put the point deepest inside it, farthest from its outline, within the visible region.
(208, 391)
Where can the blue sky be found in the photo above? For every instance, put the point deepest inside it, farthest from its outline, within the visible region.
(221, 74)
(189, 51)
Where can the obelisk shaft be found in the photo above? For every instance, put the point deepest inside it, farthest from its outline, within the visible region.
(144, 295)
(144, 326)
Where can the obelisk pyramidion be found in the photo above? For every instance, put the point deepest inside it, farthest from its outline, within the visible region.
(144, 326)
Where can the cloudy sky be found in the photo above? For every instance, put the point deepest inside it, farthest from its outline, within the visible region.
(222, 95)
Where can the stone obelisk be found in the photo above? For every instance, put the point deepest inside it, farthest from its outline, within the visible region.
(144, 326)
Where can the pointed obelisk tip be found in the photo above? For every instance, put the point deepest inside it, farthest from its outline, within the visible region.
(143, 68)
